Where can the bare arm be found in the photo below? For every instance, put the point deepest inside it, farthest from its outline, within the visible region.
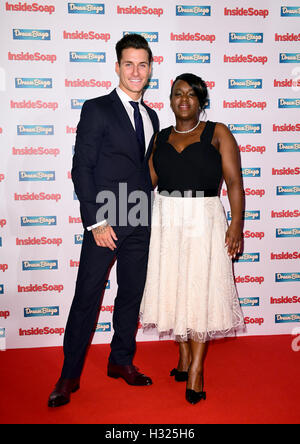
(153, 174)
(231, 165)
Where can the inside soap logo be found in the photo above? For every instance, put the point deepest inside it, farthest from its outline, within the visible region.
(31, 34)
(246, 37)
(26, 7)
(185, 10)
(143, 10)
(86, 8)
(246, 12)
(1, 289)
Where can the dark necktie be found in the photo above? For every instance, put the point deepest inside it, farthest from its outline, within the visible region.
(139, 128)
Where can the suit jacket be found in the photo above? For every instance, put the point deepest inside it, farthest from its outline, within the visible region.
(106, 154)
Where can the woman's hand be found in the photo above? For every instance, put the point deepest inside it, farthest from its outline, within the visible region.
(233, 240)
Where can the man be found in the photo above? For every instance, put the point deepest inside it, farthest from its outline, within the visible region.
(112, 136)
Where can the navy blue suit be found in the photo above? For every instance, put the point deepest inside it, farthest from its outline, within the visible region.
(107, 154)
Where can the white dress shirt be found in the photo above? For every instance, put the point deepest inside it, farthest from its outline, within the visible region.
(148, 127)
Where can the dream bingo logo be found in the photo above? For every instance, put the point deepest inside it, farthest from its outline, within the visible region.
(86, 8)
(287, 317)
(288, 103)
(38, 221)
(87, 57)
(290, 11)
(33, 82)
(151, 37)
(31, 34)
(193, 57)
(245, 83)
(30, 312)
(245, 128)
(40, 265)
(35, 130)
(289, 57)
(33, 176)
(287, 190)
(246, 37)
(288, 147)
(287, 277)
(185, 10)
(288, 232)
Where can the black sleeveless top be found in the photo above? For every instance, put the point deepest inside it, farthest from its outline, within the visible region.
(197, 167)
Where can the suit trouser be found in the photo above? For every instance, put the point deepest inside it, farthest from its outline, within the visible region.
(95, 262)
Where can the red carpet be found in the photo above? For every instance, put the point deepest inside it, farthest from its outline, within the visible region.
(250, 380)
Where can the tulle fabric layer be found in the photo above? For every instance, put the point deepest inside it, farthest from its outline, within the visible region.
(190, 291)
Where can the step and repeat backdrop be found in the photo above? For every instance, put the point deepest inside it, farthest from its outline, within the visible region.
(55, 54)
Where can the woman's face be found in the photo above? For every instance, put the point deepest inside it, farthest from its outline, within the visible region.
(184, 102)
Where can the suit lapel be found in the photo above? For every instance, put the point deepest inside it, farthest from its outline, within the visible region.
(124, 121)
(155, 129)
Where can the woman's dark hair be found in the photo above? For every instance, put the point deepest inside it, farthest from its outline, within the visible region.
(135, 41)
(198, 85)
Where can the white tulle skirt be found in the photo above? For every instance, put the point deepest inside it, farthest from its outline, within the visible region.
(190, 290)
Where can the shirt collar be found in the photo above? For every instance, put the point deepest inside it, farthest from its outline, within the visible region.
(125, 97)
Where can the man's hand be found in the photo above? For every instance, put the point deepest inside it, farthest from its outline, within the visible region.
(105, 236)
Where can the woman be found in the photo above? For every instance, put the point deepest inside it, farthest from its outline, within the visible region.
(190, 288)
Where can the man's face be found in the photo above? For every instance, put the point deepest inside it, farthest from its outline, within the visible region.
(134, 71)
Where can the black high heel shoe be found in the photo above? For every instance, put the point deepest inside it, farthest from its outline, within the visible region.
(179, 376)
(194, 397)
